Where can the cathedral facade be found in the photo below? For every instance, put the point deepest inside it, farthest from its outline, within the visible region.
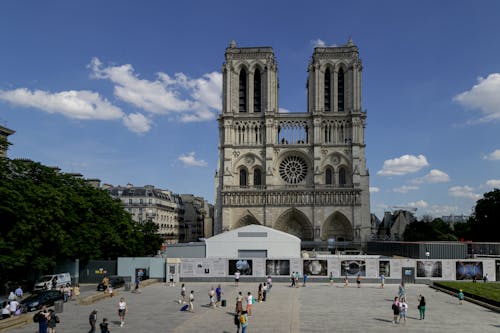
(302, 173)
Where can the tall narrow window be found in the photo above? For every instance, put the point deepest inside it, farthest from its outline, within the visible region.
(257, 177)
(342, 178)
(328, 87)
(243, 177)
(243, 91)
(257, 100)
(328, 176)
(340, 90)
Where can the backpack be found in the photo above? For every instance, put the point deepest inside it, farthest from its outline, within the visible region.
(36, 317)
(236, 320)
(243, 320)
(395, 308)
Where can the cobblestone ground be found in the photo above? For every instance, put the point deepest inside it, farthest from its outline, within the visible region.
(315, 308)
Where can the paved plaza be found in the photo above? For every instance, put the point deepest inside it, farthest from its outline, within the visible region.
(315, 308)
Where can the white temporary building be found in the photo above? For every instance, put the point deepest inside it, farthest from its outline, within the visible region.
(253, 241)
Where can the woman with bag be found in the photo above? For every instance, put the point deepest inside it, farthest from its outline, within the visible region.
(421, 307)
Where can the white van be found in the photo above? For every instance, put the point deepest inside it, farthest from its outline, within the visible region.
(47, 281)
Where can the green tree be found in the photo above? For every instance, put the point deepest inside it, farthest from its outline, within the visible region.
(485, 221)
(435, 230)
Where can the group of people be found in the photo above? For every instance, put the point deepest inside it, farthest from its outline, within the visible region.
(13, 307)
(104, 325)
(47, 320)
(190, 300)
(400, 306)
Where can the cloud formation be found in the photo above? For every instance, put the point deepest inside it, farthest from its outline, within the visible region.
(434, 176)
(405, 189)
(493, 183)
(75, 104)
(137, 122)
(374, 189)
(484, 96)
(185, 98)
(189, 159)
(420, 204)
(403, 165)
(463, 192)
(493, 156)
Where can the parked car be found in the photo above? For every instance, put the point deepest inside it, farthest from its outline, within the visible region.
(114, 281)
(39, 298)
(47, 281)
(3, 301)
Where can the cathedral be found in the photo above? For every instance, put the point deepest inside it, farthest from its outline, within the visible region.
(302, 173)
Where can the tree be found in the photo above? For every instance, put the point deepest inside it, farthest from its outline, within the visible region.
(436, 230)
(485, 221)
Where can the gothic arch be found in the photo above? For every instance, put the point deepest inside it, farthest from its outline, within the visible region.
(248, 161)
(246, 220)
(294, 222)
(337, 226)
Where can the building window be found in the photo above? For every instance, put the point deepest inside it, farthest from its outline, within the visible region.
(243, 91)
(141, 201)
(340, 90)
(257, 177)
(328, 177)
(328, 87)
(129, 201)
(243, 177)
(342, 177)
(257, 101)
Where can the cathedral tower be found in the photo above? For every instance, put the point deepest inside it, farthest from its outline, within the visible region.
(302, 173)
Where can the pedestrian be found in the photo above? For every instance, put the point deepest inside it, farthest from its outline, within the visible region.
(269, 285)
(421, 307)
(52, 321)
(6, 311)
(401, 290)
(67, 292)
(92, 320)
(292, 278)
(19, 292)
(395, 310)
(260, 293)
(12, 296)
(122, 311)
(485, 278)
(264, 292)
(191, 301)
(249, 304)
(171, 280)
(76, 291)
(460, 297)
(346, 281)
(237, 321)
(211, 295)
(297, 276)
(237, 278)
(239, 303)
(219, 293)
(305, 280)
(358, 280)
(382, 281)
(13, 305)
(104, 326)
(331, 278)
(137, 289)
(182, 299)
(403, 310)
(244, 321)
(110, 291)
(42, 319)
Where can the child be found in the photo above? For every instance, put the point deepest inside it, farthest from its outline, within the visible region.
(460, 297)
(104, 326)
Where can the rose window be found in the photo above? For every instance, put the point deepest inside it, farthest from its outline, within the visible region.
(293, 169)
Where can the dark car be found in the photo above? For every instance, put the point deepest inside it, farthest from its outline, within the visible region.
(39, 298)
(114, 281)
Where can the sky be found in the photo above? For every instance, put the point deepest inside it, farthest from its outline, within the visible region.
(129, 91)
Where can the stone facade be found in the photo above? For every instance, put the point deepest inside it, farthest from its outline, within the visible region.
(4, 134)
(198, 219)
(302, 173)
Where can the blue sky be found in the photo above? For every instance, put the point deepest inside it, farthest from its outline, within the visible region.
(129, 91)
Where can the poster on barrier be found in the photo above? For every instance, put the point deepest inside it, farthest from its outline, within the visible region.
(353, 267)
(384, 267)
(429, 268)
(243, 265)
(315, 267)
(277, 267)
(469, 270)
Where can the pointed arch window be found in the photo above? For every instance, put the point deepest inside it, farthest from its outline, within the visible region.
(340, 90)
(243, 177)
(342, 177)
(257, 96)
(243, 91)
(328, 177)
(328, 87)
(257, 177)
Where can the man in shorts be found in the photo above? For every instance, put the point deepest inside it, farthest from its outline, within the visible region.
(237, 278)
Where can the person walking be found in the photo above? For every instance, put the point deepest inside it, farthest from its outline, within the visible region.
(292, 278)
(237, 321)
(122, 311)
(358, 280)
(237, 278)
(42, 320)
(211, 295)
(331, 278)
(104, 326)
(171, 282)
(182, 299)
(382, 281)
(13, 306)
(76, 291)
(249, 304)
(269, 284)
(260, 293)
(395, 310)
(19, 293)
(346, 281)
(401, 291)
(137, 288)
(219, 293)
(264, 292)
(403, 310)
(305, 280)
(244, 321)
(92, 320)
(460, 297)
(191, 301)
(421, 307)
(52, 321)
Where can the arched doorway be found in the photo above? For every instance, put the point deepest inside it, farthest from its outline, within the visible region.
(337, 226)
(294, 222)
(246, 220)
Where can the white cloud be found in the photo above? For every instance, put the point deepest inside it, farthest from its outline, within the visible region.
(403, 165)
(137, 122)
(420, 204)
(493, 156)
(188, 99)
(444, 210)
(189, 159)
(493, 183)
(485, 96)
(374, 189)
(405, 189)
(283, 110)
(434, 176)
(318, 43)
(82, 104)
(463, 192)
